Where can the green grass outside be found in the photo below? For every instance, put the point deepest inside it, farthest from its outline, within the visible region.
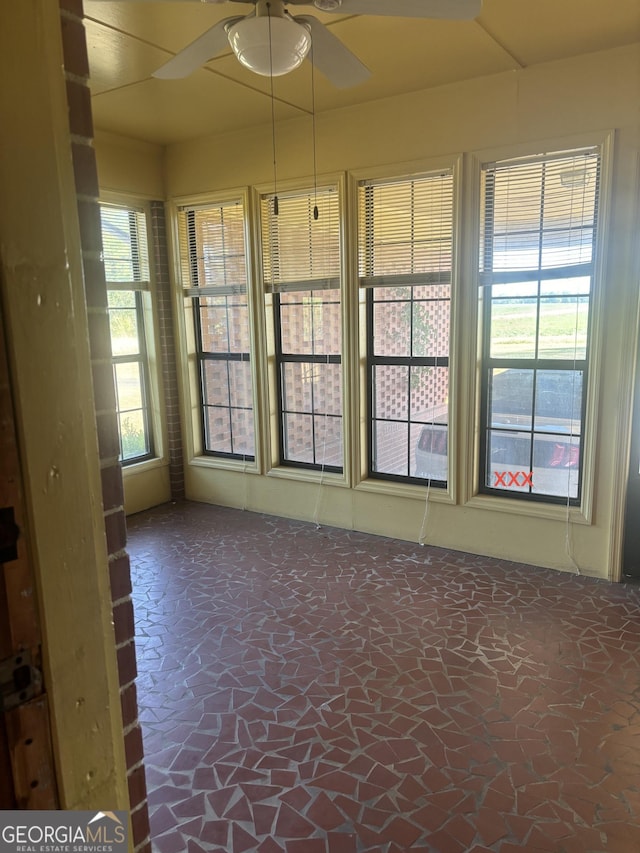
(513, 331)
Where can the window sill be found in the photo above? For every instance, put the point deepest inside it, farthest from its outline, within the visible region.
(530, 509)
(401, 490)
(325, 478)
(238, 465)
(144, 465)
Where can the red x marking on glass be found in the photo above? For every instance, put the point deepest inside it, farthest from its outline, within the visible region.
(514, 478)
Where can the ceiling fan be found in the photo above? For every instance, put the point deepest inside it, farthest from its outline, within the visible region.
(271, 42)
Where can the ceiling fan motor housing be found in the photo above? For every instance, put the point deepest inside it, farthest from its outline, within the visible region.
(270, 43)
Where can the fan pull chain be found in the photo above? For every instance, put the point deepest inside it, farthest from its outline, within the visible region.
(313, 133)
(568, 542)
(273, 118)
(316, 214)
(422, 536)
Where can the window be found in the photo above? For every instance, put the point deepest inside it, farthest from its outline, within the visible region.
(126, 262)
(405, 254)
(212, 242)
(301, 260)
(537, 268)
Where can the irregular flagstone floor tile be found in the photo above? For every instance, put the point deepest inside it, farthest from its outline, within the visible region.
(314, 690)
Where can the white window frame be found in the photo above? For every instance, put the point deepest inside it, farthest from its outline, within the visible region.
(202, 290)
(375, 281)
(148, 315)
(407, 171)
(187, 365)
(270, 411)
(471, 494)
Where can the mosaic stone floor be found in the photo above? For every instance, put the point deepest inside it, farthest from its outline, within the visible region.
(321, 691)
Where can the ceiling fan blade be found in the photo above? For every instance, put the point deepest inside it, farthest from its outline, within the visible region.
(330, 56)
(205, 47)
(448, 9)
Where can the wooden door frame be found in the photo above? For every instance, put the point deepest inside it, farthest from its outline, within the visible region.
(45, 318)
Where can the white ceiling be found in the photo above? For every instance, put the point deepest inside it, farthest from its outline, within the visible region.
(129, 40)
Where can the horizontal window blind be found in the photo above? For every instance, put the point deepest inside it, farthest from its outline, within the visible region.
(124, 246)
(406, 229)
(301, 251)
(539, 214)
(212, 248)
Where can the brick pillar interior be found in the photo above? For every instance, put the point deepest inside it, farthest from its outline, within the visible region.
(86, 177)
(168, 357)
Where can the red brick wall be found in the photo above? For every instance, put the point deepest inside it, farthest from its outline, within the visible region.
(84, 164)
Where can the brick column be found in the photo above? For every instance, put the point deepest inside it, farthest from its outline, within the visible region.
(86, 178)
(168, 351)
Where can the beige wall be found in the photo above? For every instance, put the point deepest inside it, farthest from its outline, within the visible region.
(554, 104)
(129, 166)
(595, 92)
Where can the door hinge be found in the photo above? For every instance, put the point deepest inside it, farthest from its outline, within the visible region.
(20, 680)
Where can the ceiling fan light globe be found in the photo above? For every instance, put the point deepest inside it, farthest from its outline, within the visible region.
(290, 43)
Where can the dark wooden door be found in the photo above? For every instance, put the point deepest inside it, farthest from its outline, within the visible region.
(27, 778)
